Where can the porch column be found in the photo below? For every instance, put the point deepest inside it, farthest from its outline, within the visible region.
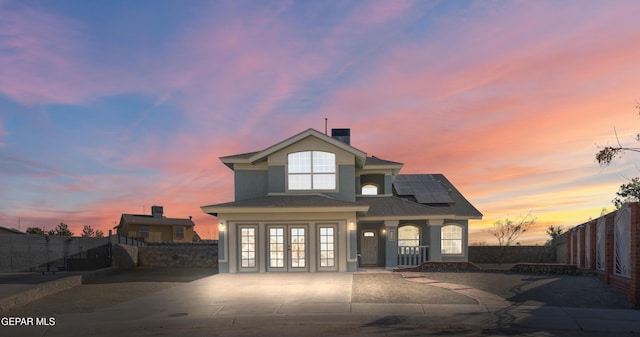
(391, 226)
(223, 264)
(435, 237)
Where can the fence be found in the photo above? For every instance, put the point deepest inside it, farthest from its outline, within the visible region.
(610, 245)
(20, 253)
(512, 254)
(25, 253)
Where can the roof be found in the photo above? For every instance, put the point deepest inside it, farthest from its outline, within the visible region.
(143, 219)
(10, 230)
(430, 191)
(275, 202)
(390, 206)
(375, 161)
(254, 157)
(425, 188)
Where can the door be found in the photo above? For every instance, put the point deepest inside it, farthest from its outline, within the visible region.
(287, 248)
(327, 247)
(369, 248)
(247, 247)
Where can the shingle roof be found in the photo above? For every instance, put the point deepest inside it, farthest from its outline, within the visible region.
(140, 219)
(394, 206)
(458, 205)
(377, 161)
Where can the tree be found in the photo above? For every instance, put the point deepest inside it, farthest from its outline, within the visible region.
(62, 229)
(35, 230)
(608, 153)
(508, 231)
(628, 192)
(554, 231)
(87, 231)
(99, 233)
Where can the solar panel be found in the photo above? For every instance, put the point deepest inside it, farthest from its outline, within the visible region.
(425, 188)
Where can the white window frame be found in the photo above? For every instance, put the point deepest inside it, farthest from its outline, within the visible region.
(309, 170)
(370, 187)
(449, 239)
(402, 241)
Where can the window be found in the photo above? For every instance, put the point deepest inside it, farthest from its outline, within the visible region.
(409, 236)
(144, 232)
(451, 240)
(179, 232)
(369, 189)
(312, 170)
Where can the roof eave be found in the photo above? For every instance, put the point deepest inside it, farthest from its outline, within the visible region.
(213, 210)
(360, 155)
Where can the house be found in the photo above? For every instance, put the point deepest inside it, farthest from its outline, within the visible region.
(5, 230)
(156, 227)
(315, 203)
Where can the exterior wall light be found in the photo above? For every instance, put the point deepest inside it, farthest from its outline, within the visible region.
(221, 226)
(352, 225)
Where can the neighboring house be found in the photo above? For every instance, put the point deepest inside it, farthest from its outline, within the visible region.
(315, 203)
(156, 227)
(5, 230)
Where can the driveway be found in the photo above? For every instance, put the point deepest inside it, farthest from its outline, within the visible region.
(321, 304)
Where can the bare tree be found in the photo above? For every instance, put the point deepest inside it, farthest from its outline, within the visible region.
(608, 153)
(507, 231)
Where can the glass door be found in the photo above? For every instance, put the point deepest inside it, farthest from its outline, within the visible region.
(287, 248)
(247, 246)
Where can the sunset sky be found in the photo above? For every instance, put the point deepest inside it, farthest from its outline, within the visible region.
(110, 107)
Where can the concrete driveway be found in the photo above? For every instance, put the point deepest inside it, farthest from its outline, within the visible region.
(326, 304)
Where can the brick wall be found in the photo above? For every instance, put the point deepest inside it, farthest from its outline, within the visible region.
(628, 283)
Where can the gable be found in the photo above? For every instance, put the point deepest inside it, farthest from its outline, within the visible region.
(307, 140)
(311, 143)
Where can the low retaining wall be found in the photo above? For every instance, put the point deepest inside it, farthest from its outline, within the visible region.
(177, 255)
(512, 254)
(124, 256)
(544, 268)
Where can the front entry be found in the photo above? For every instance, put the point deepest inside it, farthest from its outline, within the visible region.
(287, 248)
(369, 248)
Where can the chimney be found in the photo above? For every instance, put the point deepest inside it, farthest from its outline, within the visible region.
(157, 211)
(343, 135)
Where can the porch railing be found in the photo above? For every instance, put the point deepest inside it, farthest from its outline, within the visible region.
(412, 256)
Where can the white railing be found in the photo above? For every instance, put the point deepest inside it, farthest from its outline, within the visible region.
(412, 256)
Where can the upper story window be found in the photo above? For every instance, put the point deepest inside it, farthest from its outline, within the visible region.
(312, 170)
(369, 189)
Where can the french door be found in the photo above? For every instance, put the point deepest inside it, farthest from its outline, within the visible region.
(287, 248)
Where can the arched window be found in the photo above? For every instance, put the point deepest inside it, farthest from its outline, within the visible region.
(312, 170)
(369, 189)
(451, 240)
(408, 236)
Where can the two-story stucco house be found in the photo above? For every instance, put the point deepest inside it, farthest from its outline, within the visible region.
(315, 203)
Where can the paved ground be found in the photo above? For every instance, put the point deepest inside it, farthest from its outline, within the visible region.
(326, 304)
